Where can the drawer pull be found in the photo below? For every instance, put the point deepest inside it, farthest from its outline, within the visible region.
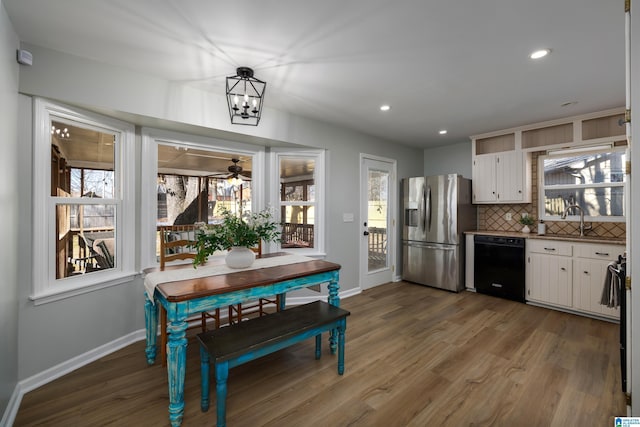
(563, 269)
(585, 272)
(602, 253)
(549, 249)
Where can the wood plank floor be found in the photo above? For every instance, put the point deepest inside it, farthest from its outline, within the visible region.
(415, 356)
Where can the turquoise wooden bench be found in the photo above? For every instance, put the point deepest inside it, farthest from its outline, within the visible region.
(245, 341)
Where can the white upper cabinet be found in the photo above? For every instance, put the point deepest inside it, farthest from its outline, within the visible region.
(484, 179)
(502, 178)
(501, 174)
(511, 177)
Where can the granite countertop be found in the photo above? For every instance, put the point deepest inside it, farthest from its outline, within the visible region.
(564, 237)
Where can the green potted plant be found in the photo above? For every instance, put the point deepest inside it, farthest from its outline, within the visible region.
(526, 221)
(238, 235)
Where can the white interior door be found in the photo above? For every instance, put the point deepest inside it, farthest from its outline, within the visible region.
(378, 208)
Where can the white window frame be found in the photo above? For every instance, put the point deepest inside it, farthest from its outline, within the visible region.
(151, 137)
(318, 156)
(46, 287)
(562, 153)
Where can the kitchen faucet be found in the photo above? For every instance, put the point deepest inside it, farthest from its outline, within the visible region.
(583, 227)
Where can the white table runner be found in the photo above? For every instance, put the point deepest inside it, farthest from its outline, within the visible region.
(155, 278)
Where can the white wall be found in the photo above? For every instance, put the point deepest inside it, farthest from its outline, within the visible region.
(9, 198)
(452, 158)
(71, 327)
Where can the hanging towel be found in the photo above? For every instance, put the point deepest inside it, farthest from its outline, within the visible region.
(611, 290)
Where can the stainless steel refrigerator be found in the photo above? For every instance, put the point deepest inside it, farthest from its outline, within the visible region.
(436, 212)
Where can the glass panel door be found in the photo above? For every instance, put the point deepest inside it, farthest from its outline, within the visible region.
(377, 201)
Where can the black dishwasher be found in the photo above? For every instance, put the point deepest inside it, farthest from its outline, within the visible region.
(499, 266)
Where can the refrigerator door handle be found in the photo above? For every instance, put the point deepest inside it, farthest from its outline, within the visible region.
(428, 209)
(421, 209)
(427, 246)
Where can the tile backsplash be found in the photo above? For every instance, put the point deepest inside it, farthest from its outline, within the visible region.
(493, 217)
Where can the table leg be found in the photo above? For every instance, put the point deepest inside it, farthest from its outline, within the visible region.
(333, 286)
(334, 299)
(176, 364)
(151, 328)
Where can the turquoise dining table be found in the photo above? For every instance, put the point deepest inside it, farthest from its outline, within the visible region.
(183, 298)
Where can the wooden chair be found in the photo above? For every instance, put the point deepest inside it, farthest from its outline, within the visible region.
(175, 242)
(256, 308)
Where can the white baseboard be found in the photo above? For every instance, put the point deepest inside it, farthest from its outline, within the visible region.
(77, 362)
(62, 369)
(12, 407)
(351, 292)
(307, 299)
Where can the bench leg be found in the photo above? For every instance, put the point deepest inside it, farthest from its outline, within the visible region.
(222, 373)
(341, 327)
(333, 340)
(204, 379)
(318, 346)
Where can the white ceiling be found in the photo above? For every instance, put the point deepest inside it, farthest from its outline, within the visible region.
(441, 64)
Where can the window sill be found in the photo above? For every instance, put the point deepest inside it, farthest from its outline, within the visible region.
(69, 292)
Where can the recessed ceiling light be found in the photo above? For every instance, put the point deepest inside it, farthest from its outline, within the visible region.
(385, 107)
(442, 132)
(540, 53)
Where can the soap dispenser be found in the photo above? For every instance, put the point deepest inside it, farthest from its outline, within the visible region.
(542, 228)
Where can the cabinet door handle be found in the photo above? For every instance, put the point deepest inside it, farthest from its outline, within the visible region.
(549, 249)
(602, 253)
(585, 272)
(563, 269)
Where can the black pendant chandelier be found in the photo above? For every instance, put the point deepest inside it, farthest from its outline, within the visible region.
(245, 95)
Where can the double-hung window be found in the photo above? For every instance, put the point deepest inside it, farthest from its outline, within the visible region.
(300, 199)
(593, 179)
(83, 202)
(186, 179)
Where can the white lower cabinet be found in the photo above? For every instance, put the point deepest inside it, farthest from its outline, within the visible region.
(550, 272)
(469, 262)
(589, 272)
(570, 275)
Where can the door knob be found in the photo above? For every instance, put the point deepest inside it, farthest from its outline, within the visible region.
(366, 233)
